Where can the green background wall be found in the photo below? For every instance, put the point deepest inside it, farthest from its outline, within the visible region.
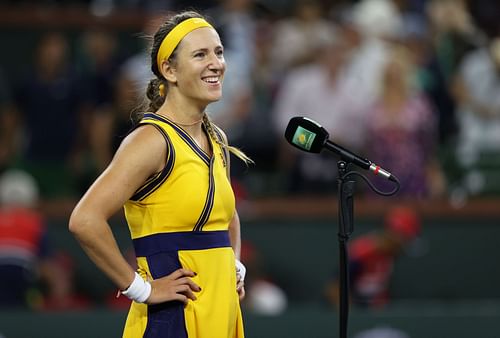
(445, 287)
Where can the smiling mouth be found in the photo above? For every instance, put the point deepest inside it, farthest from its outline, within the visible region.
(211, 79)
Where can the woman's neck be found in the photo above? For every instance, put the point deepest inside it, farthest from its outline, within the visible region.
(395, 95)
(185, 115)
(189, 118)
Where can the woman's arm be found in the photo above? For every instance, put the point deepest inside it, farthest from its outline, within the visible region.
(141, 154)
(235, 233)
(235, 238)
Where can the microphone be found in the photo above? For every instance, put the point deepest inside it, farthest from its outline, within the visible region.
(310, 136)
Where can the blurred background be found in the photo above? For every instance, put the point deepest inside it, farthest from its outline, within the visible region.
(413, 85)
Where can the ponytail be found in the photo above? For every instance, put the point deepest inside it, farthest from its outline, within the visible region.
(237, 152)
(156, 94)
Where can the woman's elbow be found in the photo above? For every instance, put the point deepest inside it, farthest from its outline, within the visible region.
(78, 222)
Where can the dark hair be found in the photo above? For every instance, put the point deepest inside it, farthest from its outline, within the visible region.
(153, 90)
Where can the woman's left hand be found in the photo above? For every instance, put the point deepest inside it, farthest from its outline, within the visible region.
(241, 271)
(240, 286)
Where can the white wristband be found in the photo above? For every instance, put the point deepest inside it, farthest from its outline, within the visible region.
(240, 270)
(139, 290)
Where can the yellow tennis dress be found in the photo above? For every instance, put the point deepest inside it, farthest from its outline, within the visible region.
(180, 218)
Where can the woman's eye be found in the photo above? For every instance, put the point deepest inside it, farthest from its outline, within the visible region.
(199, 55)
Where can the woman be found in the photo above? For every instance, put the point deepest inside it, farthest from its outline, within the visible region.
(171, 175)
(402, 130)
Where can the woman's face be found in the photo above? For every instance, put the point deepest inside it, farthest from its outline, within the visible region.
(200, 66)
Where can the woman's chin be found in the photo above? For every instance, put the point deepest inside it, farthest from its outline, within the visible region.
(214, 98)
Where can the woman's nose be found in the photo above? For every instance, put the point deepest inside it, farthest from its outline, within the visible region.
(216, 62)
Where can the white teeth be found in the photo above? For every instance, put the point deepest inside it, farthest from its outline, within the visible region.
(213, 79)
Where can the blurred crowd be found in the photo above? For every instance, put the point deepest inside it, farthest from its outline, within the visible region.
(413, 85)
(409, 84)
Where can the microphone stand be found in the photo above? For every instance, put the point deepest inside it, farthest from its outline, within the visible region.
(345, 215)
(346, 228)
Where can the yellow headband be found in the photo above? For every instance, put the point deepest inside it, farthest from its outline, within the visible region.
(176, 35)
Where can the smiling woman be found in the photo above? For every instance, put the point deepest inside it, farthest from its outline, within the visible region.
(171, 174)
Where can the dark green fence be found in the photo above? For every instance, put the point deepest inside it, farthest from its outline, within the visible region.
(447, 286)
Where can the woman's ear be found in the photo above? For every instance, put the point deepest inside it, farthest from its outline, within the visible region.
(168, 71)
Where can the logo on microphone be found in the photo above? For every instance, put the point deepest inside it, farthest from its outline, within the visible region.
(303, 138)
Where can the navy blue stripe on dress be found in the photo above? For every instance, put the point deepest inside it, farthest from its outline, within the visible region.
(183, 134)
(165, 320)
(145, 185)
(209, 201)
(152, 184)
(175, 241)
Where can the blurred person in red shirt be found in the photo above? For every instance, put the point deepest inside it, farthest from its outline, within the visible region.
(372, 257)
(23, 241)
(32, 276)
